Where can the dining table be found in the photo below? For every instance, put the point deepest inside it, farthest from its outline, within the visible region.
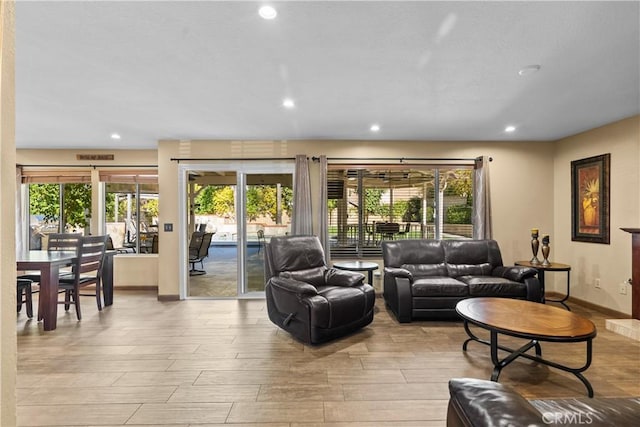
(49, 263)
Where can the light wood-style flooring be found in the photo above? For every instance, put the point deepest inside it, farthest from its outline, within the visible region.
(220, 362)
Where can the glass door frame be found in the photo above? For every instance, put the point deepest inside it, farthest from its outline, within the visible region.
(242, 169)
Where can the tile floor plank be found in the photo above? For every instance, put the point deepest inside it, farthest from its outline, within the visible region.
(209, 363)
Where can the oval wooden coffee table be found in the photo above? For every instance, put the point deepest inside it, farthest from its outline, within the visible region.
(529, 320)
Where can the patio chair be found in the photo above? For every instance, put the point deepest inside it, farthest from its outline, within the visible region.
(86, 270)
(405, 232)
(154, 244)
(110, 247)
(261, 240)
(198, 251)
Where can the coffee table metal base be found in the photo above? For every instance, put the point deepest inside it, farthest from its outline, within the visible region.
(521, 352)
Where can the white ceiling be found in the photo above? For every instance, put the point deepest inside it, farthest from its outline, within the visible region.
(423, 70)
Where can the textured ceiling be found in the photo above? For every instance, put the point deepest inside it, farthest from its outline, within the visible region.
(422, 70)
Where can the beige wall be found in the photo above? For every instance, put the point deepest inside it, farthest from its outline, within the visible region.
(611, 263)
(530, 188)
(135, 271)
(7, 217)
(521, 177)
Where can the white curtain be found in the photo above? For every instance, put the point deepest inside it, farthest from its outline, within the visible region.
(302, 221)
(323, 223)
(482, 200)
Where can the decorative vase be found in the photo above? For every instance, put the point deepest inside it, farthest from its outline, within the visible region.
(535, 244)
(545, 251)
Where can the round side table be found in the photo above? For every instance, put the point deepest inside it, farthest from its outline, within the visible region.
(554, 266)
(369, 267)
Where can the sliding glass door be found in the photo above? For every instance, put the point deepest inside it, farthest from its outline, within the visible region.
(212, 234)
(235, 211)
(268, 209)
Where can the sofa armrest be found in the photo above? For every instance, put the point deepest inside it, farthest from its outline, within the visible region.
(534, 290)
(397, 295)
(482, 403)
(336, 277)
(398, 272)
(301, 289)
(516, 273)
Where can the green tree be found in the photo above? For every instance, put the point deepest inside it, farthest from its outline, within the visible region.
(332, 205)
(372, 202)
(287, 200)
(215, 200)
(109, 207)
(458, 214)
(253, 200)
(399, 208)
(460, 184)
(224, 202)
(413, 210)
(44, 200)
(149, 208)
(263, 200)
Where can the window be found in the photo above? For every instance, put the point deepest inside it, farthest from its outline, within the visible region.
(59, 201)
(368, 204)
(131, 209)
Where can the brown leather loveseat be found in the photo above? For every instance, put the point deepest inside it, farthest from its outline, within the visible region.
(426, 278)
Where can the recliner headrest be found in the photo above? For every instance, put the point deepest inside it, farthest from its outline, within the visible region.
(291, 253)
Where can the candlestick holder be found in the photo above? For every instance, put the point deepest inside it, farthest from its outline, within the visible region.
(545, 251)
(535, 245)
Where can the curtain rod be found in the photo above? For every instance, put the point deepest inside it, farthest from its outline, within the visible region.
(403, 159)
(233, 159)
(87, 166)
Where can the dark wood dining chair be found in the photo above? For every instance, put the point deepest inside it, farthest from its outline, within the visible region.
(55, 242)
(85, 271)
(25, 296)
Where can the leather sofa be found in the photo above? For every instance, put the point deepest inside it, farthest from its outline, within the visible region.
(311, 301)
(482, 403)
(426, 278)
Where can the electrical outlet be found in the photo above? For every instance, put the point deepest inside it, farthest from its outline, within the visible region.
(597, 283)
(623, 288)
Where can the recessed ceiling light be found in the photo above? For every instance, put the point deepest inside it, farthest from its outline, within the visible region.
(267, 12)
(529, 69)
(375, 127)
(115, 136)
(288, 103)
(510, 129)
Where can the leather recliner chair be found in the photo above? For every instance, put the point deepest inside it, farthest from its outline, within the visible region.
(306, 298)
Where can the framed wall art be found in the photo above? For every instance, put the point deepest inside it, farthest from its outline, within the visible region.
(590, 199)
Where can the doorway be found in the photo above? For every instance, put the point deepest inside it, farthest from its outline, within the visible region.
(235, 211)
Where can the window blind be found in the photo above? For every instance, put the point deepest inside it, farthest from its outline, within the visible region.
(55, 176)
(130, 176)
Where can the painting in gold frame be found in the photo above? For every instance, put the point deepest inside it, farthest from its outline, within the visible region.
(590, 199)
